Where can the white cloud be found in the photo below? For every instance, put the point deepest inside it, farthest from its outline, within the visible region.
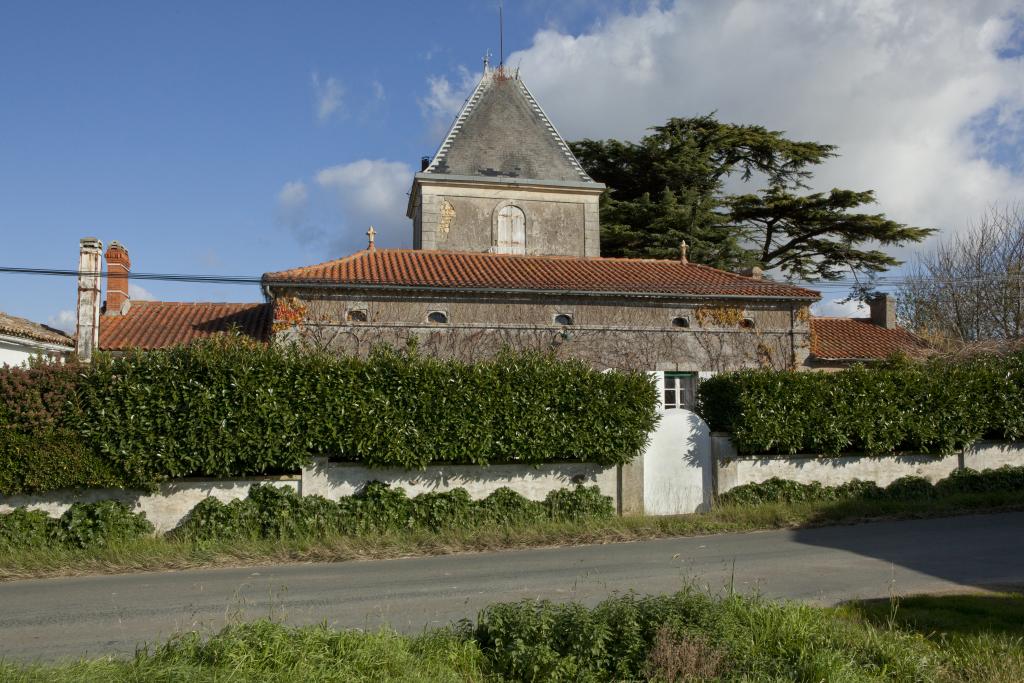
(839, 308)
(378, 91)
(139, 293)
(292, 212)
(328, 93)
(65, 320)
(900, 86)
(369, 191)
(444, 99)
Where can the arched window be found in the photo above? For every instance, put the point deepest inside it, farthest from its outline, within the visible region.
(511, 233)
(438, 317)
(681, 321)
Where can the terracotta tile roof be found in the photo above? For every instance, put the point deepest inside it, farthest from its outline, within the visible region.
(157, 324)
(860, 339)
(26, 329)
(404, 268)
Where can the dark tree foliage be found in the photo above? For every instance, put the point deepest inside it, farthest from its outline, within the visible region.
(672, 187)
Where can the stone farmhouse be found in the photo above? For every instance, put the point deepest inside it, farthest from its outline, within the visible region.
(506, 235)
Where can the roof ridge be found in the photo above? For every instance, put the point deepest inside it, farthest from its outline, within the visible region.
(467, 107)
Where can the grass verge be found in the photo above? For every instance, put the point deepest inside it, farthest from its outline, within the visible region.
(689, 636)
(160, 553)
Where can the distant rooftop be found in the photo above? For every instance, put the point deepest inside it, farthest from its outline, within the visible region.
(502, 133)
(13, 326)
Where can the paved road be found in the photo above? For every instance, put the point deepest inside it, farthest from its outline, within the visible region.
(56, 618)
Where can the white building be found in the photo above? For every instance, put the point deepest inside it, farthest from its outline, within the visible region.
(21, 340)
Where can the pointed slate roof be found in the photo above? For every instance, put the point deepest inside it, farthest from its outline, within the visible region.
(502, 132)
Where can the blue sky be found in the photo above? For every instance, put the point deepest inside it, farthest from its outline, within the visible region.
(238, 138)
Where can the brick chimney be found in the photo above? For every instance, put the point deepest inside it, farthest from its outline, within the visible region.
(118, 267)
(87, 336)
(883, 311)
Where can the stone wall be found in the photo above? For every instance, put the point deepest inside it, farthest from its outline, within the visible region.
(732, 470)
(334, 480)
(607, 332)
(165, 508)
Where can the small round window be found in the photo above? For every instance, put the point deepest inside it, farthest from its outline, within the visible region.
(747, 323)
(681, 321)
(439, 317)
(357, 315)
(563, 319)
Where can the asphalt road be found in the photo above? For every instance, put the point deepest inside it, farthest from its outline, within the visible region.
(52, 619)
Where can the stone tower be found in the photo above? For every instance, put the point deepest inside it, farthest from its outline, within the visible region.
(505, 181)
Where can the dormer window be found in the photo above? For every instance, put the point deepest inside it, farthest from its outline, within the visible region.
(563, 319)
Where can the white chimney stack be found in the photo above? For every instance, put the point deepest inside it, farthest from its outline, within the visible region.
(90, 256)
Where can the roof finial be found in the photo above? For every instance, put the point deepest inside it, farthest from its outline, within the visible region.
(501, 35)
(682, 252)
(371, 233)
(487, 60)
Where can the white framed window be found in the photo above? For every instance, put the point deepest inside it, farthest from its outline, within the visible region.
(438, 317)
(680, 390)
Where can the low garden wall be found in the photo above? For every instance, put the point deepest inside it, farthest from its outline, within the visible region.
(334, 480)
(164, 508)
(732, 469)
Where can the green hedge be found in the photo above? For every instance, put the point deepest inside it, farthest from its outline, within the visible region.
(228, 407)
(1005, 479)
(270, 512)
(898, 406)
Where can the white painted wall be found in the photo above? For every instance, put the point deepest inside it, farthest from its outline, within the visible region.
(165, 508)
(334, 480)
(16, 352)
(677, 465)
(734, 470)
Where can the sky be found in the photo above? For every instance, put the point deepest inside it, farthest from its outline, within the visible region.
(238, 138)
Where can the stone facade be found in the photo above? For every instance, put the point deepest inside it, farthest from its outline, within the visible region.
(463, 215)
(606, 332)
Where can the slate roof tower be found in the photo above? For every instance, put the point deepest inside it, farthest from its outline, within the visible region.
(504, 180)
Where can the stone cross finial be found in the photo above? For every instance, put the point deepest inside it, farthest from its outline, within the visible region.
(682, 252)
(371, 233)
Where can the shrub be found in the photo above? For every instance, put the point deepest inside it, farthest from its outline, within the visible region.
(83, 525)
(933, 407)
(86, 525)
(26, 528)
(273, 513)
(230, 407)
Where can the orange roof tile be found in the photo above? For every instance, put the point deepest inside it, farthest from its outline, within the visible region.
(158, 324)
(411, 268)
(860, 339)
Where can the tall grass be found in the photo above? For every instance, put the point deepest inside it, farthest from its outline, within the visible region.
(684, 637)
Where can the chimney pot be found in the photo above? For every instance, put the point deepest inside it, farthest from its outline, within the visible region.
(90, 253)
(682, 252)
(118, 267)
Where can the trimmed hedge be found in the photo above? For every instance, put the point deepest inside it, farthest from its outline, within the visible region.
(898, 406)
(271, 512)
(229, 407)
(1005, 479)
